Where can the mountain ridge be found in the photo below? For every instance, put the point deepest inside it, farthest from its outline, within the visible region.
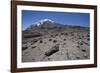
(48, 23)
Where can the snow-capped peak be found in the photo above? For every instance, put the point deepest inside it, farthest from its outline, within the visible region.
(42, 21)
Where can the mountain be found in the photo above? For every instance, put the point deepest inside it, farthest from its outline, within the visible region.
(47, 26)
(41, 22)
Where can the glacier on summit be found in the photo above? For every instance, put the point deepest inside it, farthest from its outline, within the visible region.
(42, 21)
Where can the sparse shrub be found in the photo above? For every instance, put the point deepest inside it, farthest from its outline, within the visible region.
(54, 41)
(34, 41)
(41, 41)
(86, 43)
(34, 47)
(33, 59)
(49, 58)
(64, 39)
(83, 50)
(50, 39)
(66, 33)
(77, 57)
(24, 48)
(88, 39)
(64, 43)
(52, 36)
(62, 33)
(79, 38)
(88, 35)
(72, 34)
(78, 46)
(82, 36)
(56, 35)
(81, 43)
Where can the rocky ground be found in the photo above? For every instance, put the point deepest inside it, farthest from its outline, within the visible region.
(69, 44)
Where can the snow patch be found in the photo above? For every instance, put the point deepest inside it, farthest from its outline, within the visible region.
(42, 21)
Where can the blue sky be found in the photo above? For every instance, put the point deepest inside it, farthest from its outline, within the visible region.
(70, 18)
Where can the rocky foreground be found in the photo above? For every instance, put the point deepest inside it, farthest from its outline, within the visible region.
(68, 45)
(57, 44)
